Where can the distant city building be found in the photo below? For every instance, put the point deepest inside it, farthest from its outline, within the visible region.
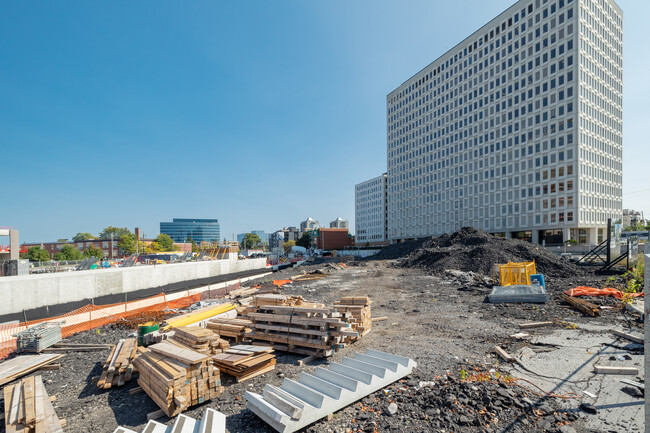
(332, 239)
(370, 208)
(264, 237)
(200, 230)
(632, 217)
(309, 223)
(55, 247)
(278, 238)
(517, 130)
(339, 223)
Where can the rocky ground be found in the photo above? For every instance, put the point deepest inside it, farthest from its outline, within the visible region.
(440, 320)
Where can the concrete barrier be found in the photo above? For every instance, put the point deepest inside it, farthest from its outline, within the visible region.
(49, 294)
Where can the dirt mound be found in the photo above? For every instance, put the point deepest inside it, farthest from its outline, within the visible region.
(473, 250)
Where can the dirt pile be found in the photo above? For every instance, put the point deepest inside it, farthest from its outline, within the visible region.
(473, 250)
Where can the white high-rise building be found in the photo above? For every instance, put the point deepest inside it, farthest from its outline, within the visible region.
(516, 130)
(370, 211)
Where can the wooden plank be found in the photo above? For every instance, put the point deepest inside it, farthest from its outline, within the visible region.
(39, 405)
(306, 360)
(635, 384)
(503, 354)
(28, 400)
(581, 305)
(116, 352)
(602, 369)
(174, 352)
(535, 325)
(630, 337)
(256, 373)
(23, 365)
(155, 414)
(379, 319)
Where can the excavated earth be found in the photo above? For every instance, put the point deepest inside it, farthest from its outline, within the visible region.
(436, 315)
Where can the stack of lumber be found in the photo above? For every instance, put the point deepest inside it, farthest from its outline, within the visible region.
(28, 408)
(359, 317)
(200, 340)
(200, 315)
(23, 365)
(176, 378)
(118, 367)
(245, 361)
(38, 337)
(273, 299)
(308, 329)
(237, 329)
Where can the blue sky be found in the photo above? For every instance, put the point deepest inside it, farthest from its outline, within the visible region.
(258, 113)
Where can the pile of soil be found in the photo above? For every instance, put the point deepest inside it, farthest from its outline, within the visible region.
(473, 250)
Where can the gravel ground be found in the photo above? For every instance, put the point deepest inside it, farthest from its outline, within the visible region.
(439, 321)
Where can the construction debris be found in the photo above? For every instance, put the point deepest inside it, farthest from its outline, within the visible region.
(38, 337)
(581, 305)
(298, 404)
(28, 408)
(632, 338)
(23, 365)
(245, 361)
(176, 378)
(602, 369)
(118, 367)
(77, 347)
(535, 325)
(503, 354)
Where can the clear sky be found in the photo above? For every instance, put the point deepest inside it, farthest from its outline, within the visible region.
(259, 113)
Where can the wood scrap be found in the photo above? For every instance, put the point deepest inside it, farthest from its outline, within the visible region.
(245, 361)
(630, 337)
(118, 367)
(581, 305)
(602, 369)
(305, 360)
(535, 325)
(23, 365)
(503, 354)
(379, 319)
(28, 408)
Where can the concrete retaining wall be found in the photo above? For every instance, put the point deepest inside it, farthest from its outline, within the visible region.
(35, 293)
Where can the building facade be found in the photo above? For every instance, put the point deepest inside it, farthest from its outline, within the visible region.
(106, 245)
(200, 230)
(278, 238)
(309, 223)
(516, 130)
(370, 209)
(264, 237)
(332, 239)
(339, 223)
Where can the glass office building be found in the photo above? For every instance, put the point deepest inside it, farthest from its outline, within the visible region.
(200, 230)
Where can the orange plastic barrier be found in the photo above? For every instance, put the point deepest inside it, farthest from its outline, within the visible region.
(592, 291)
(280, 283)
(94, 316)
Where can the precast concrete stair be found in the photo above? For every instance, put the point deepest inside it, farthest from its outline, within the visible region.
(314, 396)
(212, 422)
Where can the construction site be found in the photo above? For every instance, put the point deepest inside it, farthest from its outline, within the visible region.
(459, 333)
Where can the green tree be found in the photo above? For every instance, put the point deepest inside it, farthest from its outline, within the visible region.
(116, 232)
(251, 240)
(62, 240)
(153, 247)
(165, 242)
(304, 241)
(93, 251)
(68, 252)
(127, 244)
(287, 246)
(37, 254)
(195, 247)
(83, 237)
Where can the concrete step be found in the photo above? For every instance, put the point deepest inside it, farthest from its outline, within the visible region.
(211, 422)
(314, 396)
(156, 427)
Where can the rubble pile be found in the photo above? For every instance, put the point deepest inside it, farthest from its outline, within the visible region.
(473, 250)
(453, 405)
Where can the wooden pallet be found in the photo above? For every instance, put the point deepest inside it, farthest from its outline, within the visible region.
(118, 367)
(28, 408)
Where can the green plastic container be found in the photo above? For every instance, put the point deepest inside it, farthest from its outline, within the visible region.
(145, 329)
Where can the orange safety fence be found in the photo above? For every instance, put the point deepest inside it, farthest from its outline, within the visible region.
(592, 291)
(94, 316)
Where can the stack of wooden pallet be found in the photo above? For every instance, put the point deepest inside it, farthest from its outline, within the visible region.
(245, 361)
(118, 367)
(237, 329)
(200, 340)
(28, 408)
(358, 314)
(176, 378)
(306, 329)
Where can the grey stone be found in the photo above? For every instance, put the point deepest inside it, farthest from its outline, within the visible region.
(589, 408)
(391, 409)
